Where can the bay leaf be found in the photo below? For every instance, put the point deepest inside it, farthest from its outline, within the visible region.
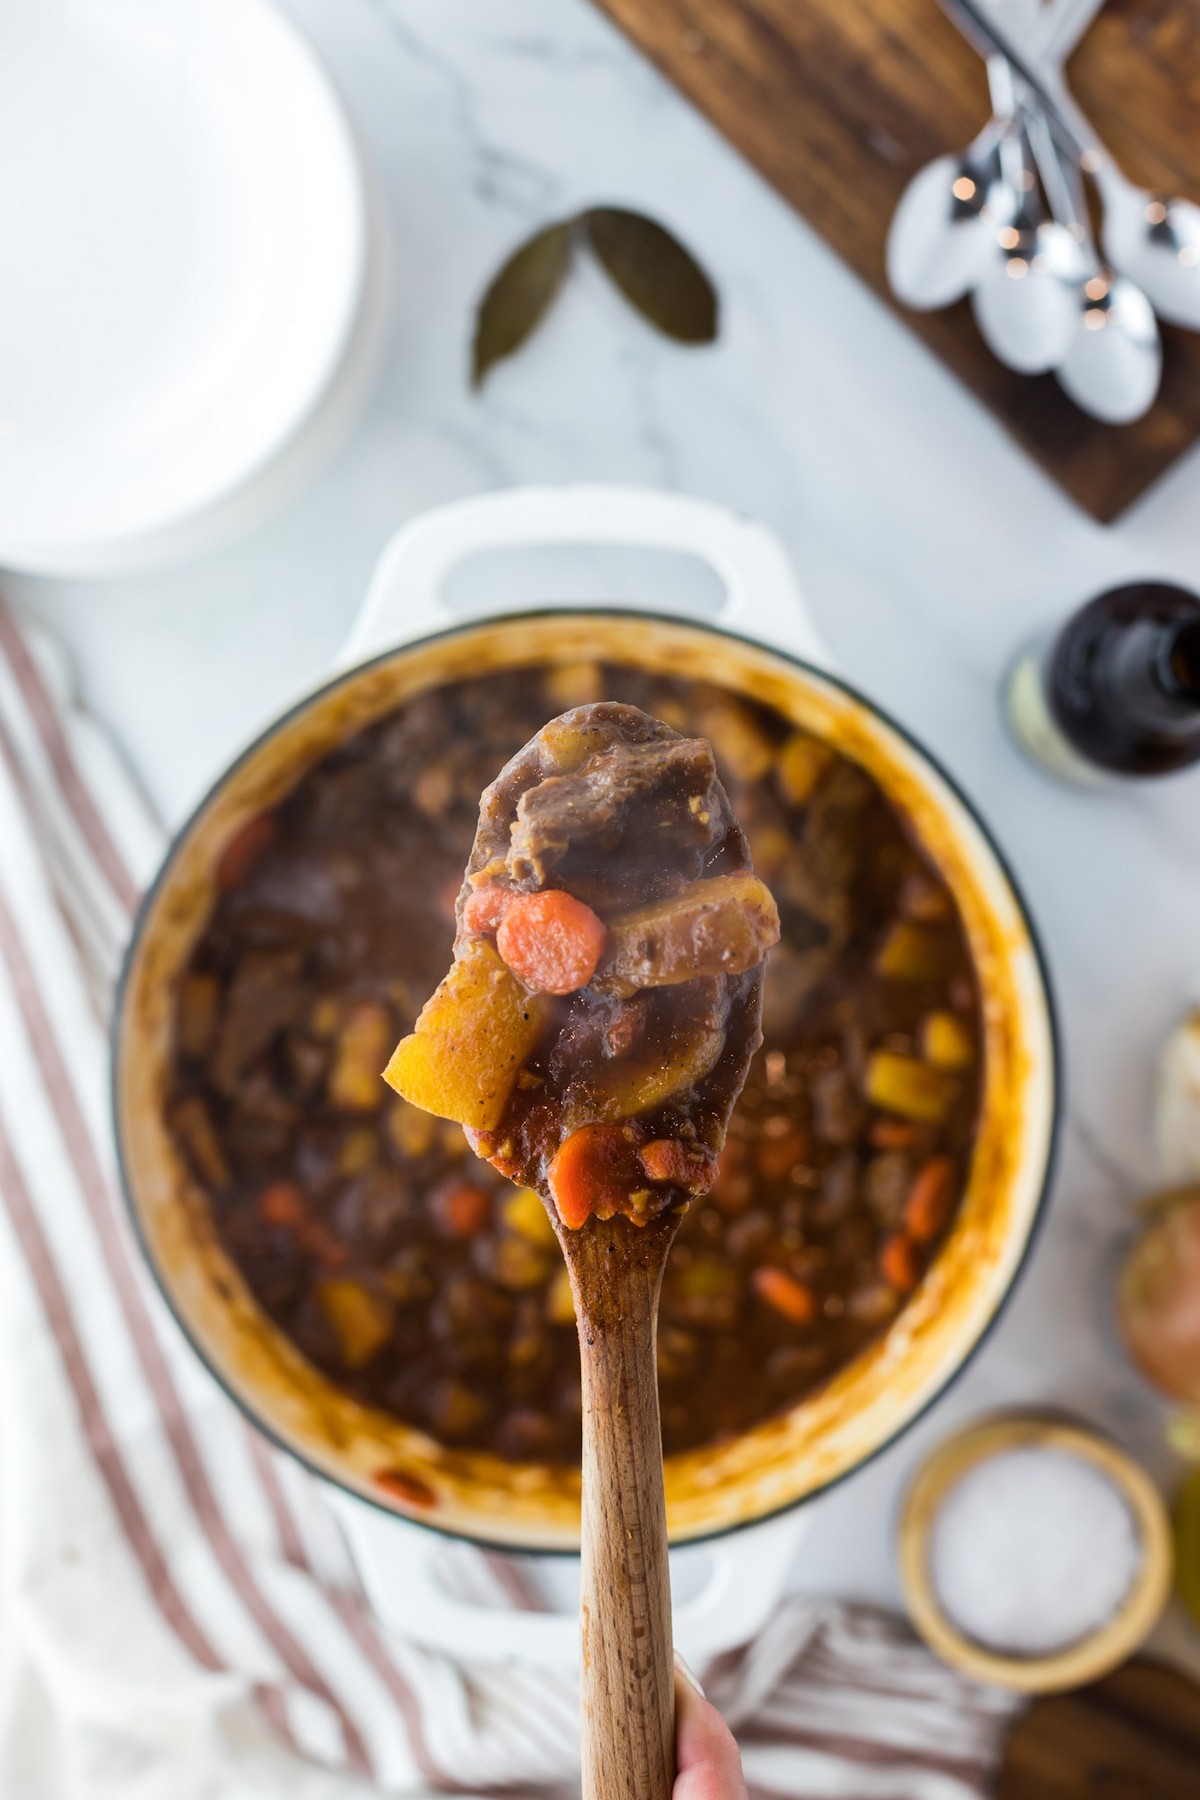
(654, 271)
(519, 296)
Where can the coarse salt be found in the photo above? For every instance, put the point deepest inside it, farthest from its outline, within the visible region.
(1033, 1550)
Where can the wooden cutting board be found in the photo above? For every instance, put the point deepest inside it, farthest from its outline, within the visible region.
(1133, 1736)
(839, 102)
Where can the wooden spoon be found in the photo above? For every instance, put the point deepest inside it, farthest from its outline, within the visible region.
(627, 1665)
(608, 871)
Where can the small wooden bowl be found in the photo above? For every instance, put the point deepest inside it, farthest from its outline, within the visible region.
(1080, 1662)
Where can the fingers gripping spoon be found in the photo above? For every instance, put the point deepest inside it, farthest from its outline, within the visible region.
(592, 1035)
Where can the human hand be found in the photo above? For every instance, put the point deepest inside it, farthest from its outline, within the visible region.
(709, 1766)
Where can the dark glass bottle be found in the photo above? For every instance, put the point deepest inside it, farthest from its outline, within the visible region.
(1118, 690)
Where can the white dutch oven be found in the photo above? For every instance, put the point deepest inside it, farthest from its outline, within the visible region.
(763, 645)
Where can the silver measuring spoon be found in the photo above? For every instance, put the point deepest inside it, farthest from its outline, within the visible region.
(942, 238)
(1113, 362)
(1152, 239)
(1024, 299)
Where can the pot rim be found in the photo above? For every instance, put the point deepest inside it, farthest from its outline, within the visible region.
(343, 678)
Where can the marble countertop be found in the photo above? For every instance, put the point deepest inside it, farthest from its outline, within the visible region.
(929, 548)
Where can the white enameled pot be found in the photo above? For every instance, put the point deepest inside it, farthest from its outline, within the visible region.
(741, 1498)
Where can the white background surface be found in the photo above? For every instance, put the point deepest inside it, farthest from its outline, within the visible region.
(929, 547)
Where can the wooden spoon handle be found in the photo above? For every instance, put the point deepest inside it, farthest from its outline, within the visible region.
(627, 1669)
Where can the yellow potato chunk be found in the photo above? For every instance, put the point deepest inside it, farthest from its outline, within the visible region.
(412, 1131)
(739, 740)
(361, 1046)
(911, 953)
(524, 1212)
(911, 1089)
(946, 1042)
(361, 1319)
(473, 1034)
(560, 1302)
(574, 684)
(800, 765)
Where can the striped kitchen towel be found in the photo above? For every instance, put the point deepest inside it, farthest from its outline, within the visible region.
(179, 1616)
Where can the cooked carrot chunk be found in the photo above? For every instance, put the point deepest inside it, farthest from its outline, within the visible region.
(930, 1200)
(244, 849)
(894, 1134)
(776, 1156)
(463, 1209)
(688, 1166)
(485, 908)
(551, 941)
(594, 1171)
(282, 1203)
(410, 1490)
(794, 1299)
(900, 1263)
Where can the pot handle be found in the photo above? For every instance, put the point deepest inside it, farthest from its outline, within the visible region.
(398, 1564)
(406, 601)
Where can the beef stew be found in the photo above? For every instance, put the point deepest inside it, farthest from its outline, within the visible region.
(421, 1281)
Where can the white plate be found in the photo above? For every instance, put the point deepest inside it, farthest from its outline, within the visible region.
(182, 254)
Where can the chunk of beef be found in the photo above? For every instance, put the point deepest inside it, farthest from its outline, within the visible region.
(625, 790)
(265, 997)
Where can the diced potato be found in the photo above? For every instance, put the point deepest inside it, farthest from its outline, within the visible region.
(923, 898)
(196, 1018)
(471, 1038)
(770, 846)
(739, 740)
(720, 926)
(452, 1139)
(412, 1131)
(901, 1084)
(946, 1042)
(523, 1212)
(574, 684)
(361, 1318)
(560, 1302)
(567, 747)
(518, 1264)
(362, 1043)
(911, 953)
(799, 766)
(360, 1148)
(458, 1410)
(325, 1017)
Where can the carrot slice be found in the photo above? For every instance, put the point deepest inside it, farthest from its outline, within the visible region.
(244, 849)
(930, 1200)
(485, 908)
(463, 1209)
(594, 1171)
(551, 941)
(409, 1489)
(899, 1263)
(687, 1165)
(794, 1299)
(282, 1203)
